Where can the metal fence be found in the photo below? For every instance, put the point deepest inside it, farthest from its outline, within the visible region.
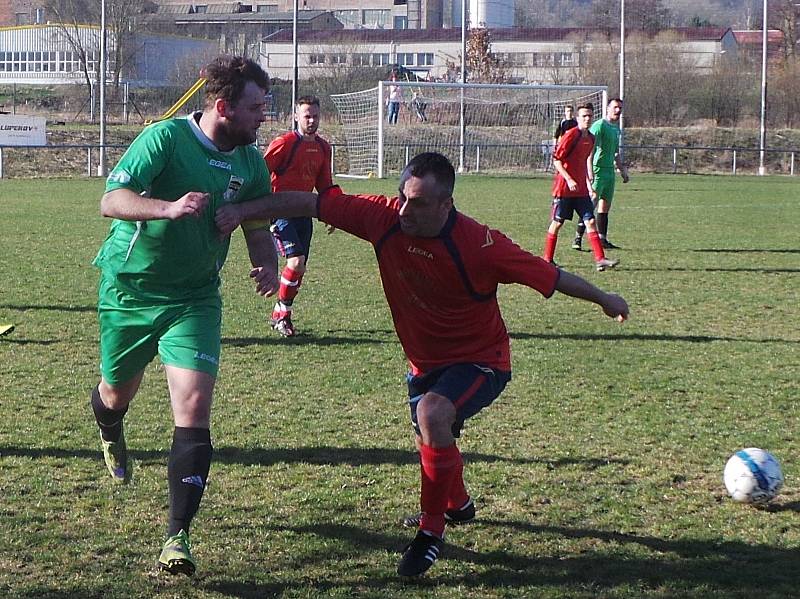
(82, 160)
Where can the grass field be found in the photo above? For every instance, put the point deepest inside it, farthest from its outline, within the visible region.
(597, 473)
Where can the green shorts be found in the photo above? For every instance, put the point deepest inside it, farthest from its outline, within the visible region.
(603, 184)
(133, 331)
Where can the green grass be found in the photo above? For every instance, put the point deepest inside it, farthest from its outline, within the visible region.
(597, 473)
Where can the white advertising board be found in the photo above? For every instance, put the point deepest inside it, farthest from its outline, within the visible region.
(18, 130)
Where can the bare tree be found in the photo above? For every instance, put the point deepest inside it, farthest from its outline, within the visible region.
(482, 65)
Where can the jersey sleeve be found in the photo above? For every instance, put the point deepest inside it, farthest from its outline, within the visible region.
(512, 264)
(365, 216)
(274, 154)
(258, 186)
(566, 144)
(143, 161)
(324, 178)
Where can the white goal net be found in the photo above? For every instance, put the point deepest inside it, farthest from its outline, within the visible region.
(490, 128)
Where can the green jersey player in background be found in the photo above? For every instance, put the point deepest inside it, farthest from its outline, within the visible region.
(159, 282)
(606, 157)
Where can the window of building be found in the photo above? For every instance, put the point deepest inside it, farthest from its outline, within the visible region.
(424, 59)
(266, 8)
(565, 59)
(543, 59)
(377, 18)
(316, 59)
(22, 18)
(379, 60)
(361, 60)
(348, 18)
(200, 8)
(400, 2)
(401, 22)
(338, 58)
(405, 59)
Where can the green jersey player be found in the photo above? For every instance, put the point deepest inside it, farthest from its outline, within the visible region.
(158, 291)
(606, 158)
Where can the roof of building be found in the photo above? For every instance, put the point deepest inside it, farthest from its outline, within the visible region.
(237, 17)
(507, 34)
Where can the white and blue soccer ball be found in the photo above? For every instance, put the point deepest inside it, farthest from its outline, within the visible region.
(753, 475)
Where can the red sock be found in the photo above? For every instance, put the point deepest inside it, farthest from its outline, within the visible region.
(290, 285)
(550, 246)
(438, 467)
(458, 492)
(597, 247)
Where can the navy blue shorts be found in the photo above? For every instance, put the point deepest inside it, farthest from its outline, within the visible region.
(471, 387)
(292, 236)
(564, 207)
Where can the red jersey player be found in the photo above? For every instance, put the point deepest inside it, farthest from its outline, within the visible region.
(298, 161)
(571, 184)
(440, 271)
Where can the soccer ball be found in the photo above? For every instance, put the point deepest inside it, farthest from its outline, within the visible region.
(753, 475)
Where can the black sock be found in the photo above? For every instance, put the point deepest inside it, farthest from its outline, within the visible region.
(109, 421)
(602, 224)
(187, 471)
(580, 229)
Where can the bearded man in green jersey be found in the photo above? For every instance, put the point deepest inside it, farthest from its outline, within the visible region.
(159, 282)
(606, 157)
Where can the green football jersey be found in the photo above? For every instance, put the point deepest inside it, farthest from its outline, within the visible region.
(165, 260)
(606, 143)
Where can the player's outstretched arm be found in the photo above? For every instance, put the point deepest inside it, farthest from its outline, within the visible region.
(612, 304)
(126, 204)
(264, 260)
(283, 204)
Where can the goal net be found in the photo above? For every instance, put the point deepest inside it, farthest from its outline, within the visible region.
(491, 128)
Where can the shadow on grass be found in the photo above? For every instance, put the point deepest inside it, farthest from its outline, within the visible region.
(350, 337)
(746, 251)
(731, 568)
(645, 337)
(321, 455)
(676, 269)
(52, 308)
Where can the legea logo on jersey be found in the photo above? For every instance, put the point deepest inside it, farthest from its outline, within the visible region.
(420, 252)
(219, 164)
(234, 185)
(119, 177)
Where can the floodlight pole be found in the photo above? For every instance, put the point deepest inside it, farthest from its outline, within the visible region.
(762, 138)
(295, 62)
(462, 133)
(621, 73)
(101, 167)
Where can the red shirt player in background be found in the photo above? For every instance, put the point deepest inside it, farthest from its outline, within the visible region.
(440, 271)
(298, 161)
(571, 184)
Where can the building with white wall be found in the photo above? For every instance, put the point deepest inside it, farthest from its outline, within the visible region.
(532, 55)
(44, 55)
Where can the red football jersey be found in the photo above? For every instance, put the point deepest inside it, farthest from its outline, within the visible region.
(573, 150)
(296, 164)
(442, 290)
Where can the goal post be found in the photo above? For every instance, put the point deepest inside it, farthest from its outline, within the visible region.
(502, 128)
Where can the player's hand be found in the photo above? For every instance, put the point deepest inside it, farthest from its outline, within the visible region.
(227, 218)
(572, 184)
(267, 282)
(192, 203)
(615, 307)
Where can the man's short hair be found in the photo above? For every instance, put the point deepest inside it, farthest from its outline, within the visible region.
(616, 100)
(437, 165)
(227, 76)
(308, 101)
(586, 106)
(570, 106)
